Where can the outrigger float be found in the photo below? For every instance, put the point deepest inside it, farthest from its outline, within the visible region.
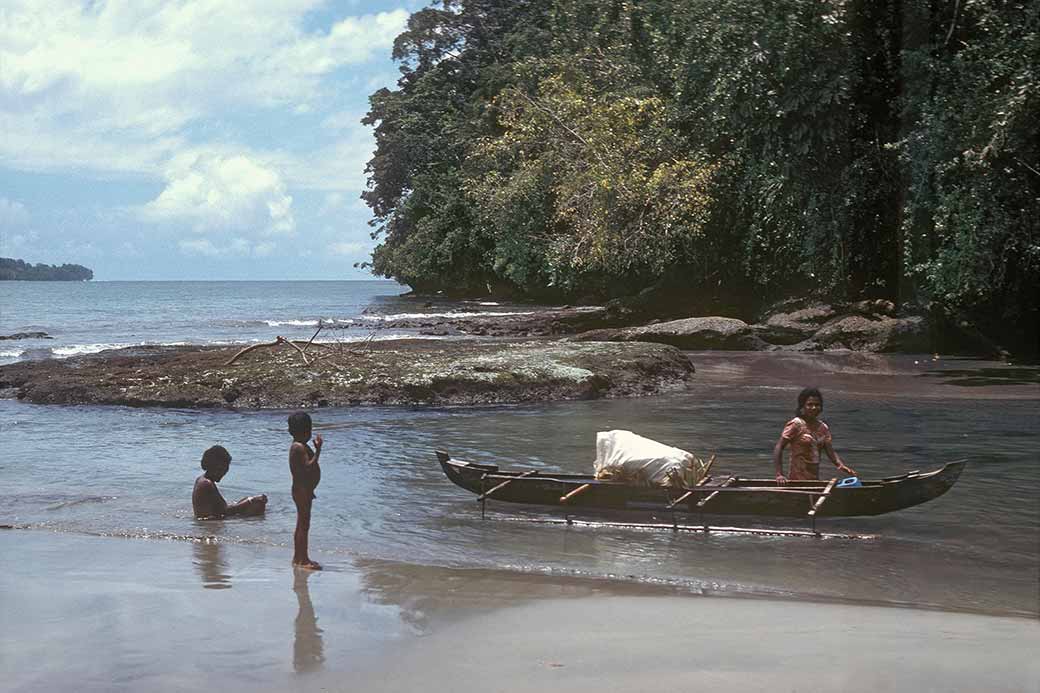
(732, 495)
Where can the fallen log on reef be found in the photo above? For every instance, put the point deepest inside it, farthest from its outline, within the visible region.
(382, 372)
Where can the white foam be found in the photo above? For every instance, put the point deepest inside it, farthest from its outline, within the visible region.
(291, 323)
(80, 349)
(421, 316)
(306, 323)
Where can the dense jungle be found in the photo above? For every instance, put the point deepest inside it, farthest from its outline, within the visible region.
(717, 156)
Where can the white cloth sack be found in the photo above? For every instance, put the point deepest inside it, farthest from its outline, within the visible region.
(626, 456)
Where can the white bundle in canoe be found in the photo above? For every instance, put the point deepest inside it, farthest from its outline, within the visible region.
(625, 456)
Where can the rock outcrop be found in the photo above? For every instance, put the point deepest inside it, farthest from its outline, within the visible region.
(390, 372)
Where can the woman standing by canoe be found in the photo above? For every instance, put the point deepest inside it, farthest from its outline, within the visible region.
(806, 434)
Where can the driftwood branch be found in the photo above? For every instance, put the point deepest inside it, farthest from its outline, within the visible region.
(320, 325)
(276, 342)
(303, 354)
(249, 348)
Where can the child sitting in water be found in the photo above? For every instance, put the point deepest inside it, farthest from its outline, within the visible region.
(303, 464)
(206, 499)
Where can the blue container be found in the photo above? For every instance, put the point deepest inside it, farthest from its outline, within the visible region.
(850, 482)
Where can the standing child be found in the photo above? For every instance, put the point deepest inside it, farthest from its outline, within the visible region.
(303, 464)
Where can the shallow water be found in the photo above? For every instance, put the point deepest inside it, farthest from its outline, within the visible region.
(129, 472)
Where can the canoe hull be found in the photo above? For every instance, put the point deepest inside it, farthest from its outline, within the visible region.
(759, 497)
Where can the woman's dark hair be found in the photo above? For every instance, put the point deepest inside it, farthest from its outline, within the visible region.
(214, 456)
(806, 394)
(300, 422)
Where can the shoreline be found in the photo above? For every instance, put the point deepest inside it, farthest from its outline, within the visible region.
(528, 580)
(127, 615)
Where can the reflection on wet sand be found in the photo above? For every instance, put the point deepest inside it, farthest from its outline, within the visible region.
(209, 561)
(308, 646)
(423, 594)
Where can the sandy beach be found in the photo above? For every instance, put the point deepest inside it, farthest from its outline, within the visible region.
(102, 614)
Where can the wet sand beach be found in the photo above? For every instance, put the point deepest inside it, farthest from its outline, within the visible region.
(113, 614)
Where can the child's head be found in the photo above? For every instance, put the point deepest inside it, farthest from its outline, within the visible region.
(215, 462)
(300, 426)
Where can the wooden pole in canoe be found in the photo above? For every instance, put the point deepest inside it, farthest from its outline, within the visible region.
(686, 495)
(581, 489)
(483, 503)
(701, 503)
(506, 483)
(820, 501)
(823, 497)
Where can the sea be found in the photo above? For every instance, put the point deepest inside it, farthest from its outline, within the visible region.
(128, 472)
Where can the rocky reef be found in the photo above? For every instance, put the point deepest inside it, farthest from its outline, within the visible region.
(445, 372)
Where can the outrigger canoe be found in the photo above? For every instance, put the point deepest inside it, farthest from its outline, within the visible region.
(732, 495)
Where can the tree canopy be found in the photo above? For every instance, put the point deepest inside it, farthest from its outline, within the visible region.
(19, 269)
(739, 150)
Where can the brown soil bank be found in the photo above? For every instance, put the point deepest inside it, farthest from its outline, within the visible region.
(391, 372)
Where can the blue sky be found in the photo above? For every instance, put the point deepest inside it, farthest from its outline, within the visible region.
(194, 139)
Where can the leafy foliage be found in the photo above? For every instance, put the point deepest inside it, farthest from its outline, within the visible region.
(736, 149)
(11, 269)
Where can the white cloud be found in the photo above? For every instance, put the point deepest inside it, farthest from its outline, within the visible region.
(126, 86)
(12, 244)
(345, 248)
(199, 246)
(339, 166)
(238, 247)
(344, 120)
(333, 202)
(12, 213)
(215, 192)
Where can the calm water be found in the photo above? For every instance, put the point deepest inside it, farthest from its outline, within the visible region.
(129, 472)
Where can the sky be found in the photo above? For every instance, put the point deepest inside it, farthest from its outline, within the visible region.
(191, 139)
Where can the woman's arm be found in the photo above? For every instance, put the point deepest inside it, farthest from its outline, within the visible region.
(251, 505)
(778, 460)
(828, 447)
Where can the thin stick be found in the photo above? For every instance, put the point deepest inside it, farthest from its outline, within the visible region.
(714, 493)
(250, 348)
(302, 353)
(506, 483)
(826, 494)
(581, 489)
(320, 325)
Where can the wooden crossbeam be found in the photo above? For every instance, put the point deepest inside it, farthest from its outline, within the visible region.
(686, 495)
(823, 497)
(899, 477)
(505, 483)
(581, 489)
(704, 501)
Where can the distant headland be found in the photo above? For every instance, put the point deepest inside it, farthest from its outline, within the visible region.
(19, 269)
